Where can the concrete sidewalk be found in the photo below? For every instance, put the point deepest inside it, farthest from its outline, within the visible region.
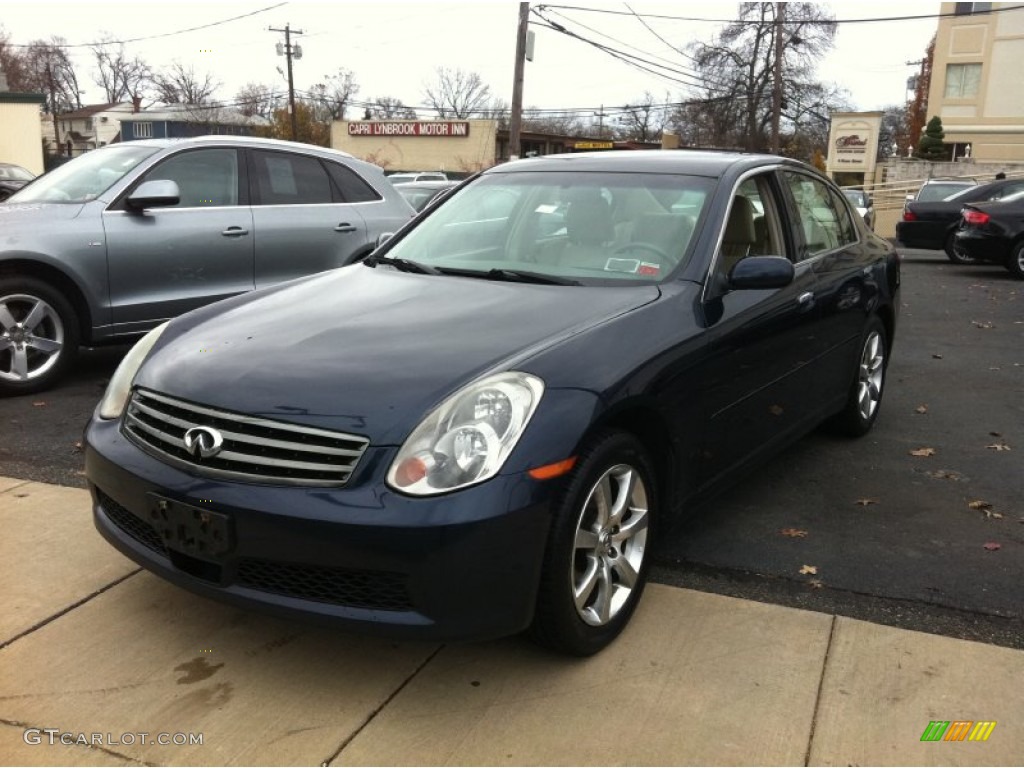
(103, 652)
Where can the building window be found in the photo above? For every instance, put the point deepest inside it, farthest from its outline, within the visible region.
(962, 80)
(142, 130)
(965, 9)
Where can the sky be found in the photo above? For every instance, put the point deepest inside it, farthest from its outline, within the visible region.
(395, 48)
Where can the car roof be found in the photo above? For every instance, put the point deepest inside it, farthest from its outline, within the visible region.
(433, 184)
(691, 162)
(247, 141)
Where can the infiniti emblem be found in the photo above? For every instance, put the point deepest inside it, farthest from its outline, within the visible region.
(203, 442)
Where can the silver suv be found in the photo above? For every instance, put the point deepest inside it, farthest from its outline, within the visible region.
(122, 238)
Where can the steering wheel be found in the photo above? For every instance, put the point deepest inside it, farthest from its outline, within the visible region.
(642, 246)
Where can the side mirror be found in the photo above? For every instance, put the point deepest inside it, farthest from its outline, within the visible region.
(155, 194)
(758, 272)
(382, 238)
(868, 202)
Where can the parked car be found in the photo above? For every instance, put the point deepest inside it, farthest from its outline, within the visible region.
(486, 425)
(115, 242)
(419, 194)
(940, 189)
(865, 206)
(405, 178)
(933, 225)
(993, 233)
(12, 178)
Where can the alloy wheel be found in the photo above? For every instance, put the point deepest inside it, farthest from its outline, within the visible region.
(31, 337)
(869, 378)
(610, 545)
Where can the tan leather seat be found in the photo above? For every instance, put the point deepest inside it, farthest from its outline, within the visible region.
(740, 233)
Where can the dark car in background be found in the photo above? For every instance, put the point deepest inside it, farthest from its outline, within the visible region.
(12, 178)
(486, 425)
(933, 225)
(993, 233)
(420, 194)
(115, 242)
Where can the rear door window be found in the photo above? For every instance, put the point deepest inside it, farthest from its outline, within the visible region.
(285, 179)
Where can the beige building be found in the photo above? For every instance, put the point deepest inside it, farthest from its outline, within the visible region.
(455, 146)
(977, 84)
(21, 140)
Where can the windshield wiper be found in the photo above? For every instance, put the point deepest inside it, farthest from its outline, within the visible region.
(513, 276)
(402, 265)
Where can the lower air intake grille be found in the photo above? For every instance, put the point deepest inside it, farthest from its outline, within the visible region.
(138, 529)
(382, 590)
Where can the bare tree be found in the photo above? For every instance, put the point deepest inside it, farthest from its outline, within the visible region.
(737, 67)
(178, 84)
(119, 75)
(43, 66)
(556, 123)
(642, 121)
(257, 99)
(12, 63)
(457, 94)
(389, 108)
(331, 98)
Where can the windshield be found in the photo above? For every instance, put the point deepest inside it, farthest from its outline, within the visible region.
(84, 178)
(591, 228)
(933, 192)
(14, 173)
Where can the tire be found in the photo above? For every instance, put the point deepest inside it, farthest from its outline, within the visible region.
(957, 257)
(596, 562)
(865, 399)
(39, 335)
(1015, 261)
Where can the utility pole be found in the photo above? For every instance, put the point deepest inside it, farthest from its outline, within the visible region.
(290, 52)
(53, 109)
(600, 123)
(780, 14)
(516, 123)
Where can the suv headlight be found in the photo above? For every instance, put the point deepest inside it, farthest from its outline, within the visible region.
(467, 438)
(120, 386)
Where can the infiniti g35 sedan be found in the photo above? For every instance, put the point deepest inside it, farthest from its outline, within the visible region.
(485, 427)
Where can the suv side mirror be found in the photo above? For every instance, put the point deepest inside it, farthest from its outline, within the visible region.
(159, 193)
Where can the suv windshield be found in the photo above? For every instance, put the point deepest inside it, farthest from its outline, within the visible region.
(856, 197)
(15, 172)
(85, 178)
(592, 228)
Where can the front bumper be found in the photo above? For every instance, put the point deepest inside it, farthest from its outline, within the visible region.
(463, 566)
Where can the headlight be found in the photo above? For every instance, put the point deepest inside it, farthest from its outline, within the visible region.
(467, 438)
(120, 386)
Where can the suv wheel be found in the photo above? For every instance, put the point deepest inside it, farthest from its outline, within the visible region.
(38, 335)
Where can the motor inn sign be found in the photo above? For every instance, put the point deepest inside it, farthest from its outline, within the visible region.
(432, 128)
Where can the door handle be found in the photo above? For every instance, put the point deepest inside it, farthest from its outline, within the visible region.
(344, 227)
(805, 300)
(235, 232)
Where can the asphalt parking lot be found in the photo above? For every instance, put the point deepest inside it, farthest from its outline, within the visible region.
(859, 528)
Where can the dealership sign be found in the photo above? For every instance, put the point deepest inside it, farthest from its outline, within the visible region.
(433, 128)
(853, 141)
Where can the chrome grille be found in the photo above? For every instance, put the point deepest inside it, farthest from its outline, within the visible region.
(254, 449)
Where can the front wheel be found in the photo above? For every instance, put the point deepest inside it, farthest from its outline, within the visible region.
(1015, 262)
(38, 335)
(865, 398)
(595, 566)
(954, 254)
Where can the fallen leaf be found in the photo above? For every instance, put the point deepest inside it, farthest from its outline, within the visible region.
(979, 504)
(921, 409)
(979, 324)
(998, 447)
(39, 403)
(990, 515)
(809, 569)
(945, 474)
(923, 452)
(937, 357)
(775, 410)
(996, 434)
(793, 533)
(78, 446)
(865, 502)
(992, 546)
(815, 583)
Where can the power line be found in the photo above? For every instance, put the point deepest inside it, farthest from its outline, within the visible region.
(609, 11)
(153, 37)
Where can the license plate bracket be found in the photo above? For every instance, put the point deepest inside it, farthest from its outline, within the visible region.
(192, 530)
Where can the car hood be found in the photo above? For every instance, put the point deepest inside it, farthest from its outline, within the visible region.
(368, 350)
(31, 214)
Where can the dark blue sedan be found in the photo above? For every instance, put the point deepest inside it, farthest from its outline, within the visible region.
(484, 427)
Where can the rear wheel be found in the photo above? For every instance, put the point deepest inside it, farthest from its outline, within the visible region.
(865, 397)
(38, 335)
(1015, 262)
(597, 558)
(956, 255)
